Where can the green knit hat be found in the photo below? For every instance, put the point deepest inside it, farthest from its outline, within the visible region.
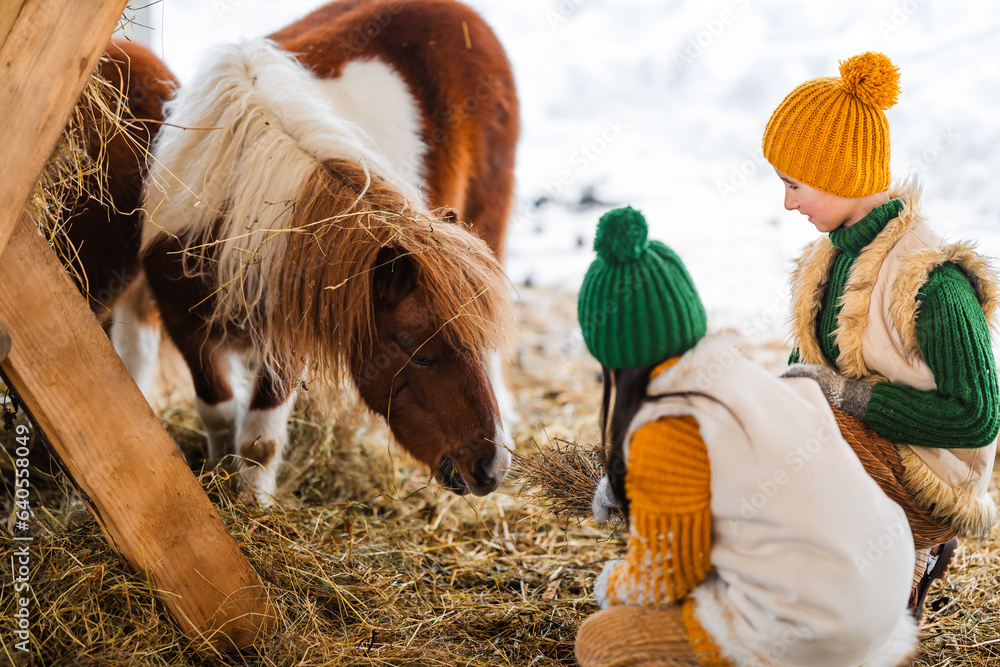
(638, 305)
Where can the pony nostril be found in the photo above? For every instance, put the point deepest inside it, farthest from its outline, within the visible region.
(482, 470)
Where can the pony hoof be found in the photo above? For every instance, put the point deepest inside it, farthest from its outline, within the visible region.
(255, 485)
(451, 478)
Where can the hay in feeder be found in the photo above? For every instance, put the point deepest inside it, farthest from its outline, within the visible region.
(77, 168)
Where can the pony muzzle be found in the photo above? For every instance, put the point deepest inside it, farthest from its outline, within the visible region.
(451, 478)
(481, 477)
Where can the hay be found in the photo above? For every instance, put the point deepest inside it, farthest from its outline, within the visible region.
(562, 479)
(962, 612)
(369, 564)
(401, 574)
(77, 167)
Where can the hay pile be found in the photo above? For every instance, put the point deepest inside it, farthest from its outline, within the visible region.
(73, 173)
(368, 564)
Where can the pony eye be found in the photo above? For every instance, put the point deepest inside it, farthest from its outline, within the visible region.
(423, 362)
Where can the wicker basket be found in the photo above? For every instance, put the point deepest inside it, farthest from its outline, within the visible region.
(880, 458)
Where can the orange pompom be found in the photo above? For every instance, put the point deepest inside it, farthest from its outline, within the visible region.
(871, 78)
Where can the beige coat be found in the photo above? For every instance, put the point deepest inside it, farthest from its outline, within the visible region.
(812, 562)
(877, 338)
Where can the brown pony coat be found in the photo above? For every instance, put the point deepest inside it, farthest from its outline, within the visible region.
(460, 77)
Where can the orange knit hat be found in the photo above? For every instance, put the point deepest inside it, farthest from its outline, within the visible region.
(832, 133)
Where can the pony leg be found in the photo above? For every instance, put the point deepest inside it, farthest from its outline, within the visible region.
(221, 398)
(263, 434)
(135, 333)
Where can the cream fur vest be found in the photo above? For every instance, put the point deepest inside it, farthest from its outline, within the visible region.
(812, 562)
(877, 337)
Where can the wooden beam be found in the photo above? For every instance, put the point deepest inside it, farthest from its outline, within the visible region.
(49, 49)
(145, 497)
(147, 501)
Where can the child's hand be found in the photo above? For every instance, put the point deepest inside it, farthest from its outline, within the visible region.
(850, 396)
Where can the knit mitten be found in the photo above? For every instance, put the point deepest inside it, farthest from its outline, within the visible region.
(601, 585)
(845, 394)
(604, 501)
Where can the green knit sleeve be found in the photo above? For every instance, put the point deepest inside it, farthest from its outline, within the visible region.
(793, 358)
(964, 410)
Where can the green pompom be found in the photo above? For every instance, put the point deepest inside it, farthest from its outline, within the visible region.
(637, 304)
(621, 236)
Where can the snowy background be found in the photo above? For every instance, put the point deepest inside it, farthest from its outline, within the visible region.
(661, 104)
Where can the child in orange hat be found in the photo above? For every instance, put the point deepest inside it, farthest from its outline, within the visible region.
(888, 318)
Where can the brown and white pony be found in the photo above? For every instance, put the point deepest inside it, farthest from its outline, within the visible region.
(103, 223)
(295, 222)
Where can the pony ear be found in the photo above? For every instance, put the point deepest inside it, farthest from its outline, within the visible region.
(394, 276)
(449, 214)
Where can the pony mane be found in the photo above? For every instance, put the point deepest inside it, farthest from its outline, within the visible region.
(242, 137)
(283, 206)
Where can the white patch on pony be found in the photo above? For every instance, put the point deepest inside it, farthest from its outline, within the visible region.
(220, 422)
(505, 399)
(501, 460)
(138, 345)
(264, 427)
(371, 94)
(240, 141)
(222, 419)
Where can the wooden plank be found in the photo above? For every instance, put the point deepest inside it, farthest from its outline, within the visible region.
(145, 497)
(4, 342)
(49, 49)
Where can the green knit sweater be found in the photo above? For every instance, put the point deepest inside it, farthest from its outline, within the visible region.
(964, 410)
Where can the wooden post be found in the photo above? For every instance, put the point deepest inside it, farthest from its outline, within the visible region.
(147, 501)
(151, 507)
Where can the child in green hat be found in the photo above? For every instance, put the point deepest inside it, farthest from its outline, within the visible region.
(888, 318)
(755, 535)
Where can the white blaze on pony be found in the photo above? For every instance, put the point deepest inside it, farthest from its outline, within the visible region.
(375, 98)
(278, 230)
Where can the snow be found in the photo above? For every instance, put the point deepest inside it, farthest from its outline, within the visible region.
(661, 104)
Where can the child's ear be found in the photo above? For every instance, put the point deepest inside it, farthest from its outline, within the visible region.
(394, 276)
